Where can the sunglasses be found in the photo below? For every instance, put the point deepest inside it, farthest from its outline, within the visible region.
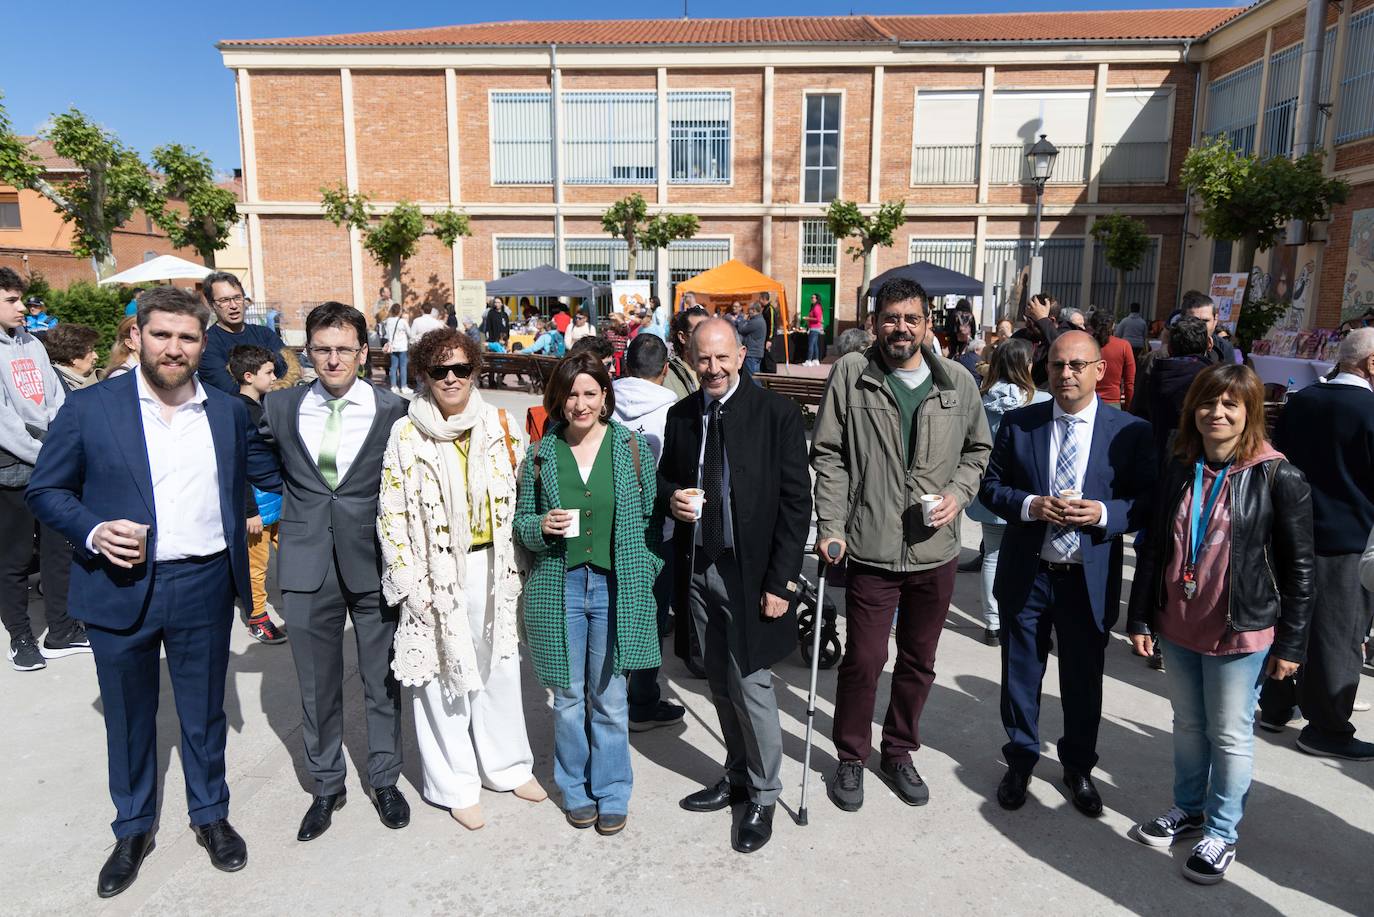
(440, 373)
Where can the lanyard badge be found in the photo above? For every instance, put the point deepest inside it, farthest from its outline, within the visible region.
(1198, 519)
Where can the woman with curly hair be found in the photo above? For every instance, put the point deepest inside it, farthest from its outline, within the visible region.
(445, 522)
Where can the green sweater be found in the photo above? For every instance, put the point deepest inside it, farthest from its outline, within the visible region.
(593, 500)
(908, 408)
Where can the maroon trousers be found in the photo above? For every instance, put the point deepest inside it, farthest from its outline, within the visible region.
(922, 601)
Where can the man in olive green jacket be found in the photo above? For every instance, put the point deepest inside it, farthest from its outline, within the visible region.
(898, 423)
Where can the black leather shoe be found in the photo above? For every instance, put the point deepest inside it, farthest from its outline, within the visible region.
(228, 852)
(391, 806)
(756, 829)
(121, 868)
(1083, 793)
(1011, 792)
(715, 798)
(320, 814)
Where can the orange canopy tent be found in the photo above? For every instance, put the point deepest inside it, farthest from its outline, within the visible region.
(729, 281)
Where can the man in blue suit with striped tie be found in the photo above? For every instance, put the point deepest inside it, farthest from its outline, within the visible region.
(146, 475)
(1071, 476)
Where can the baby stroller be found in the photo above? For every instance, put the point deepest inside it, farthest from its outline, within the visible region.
(806, 619)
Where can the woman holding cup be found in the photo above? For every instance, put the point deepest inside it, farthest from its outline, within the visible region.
(585, 511)
(1224, 581)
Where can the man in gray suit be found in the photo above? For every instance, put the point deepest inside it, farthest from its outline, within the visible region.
(330, 438)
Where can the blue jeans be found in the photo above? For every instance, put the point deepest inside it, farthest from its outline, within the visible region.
(813, 345)
(591, 726)
(992, 545)
(397, 374)
(1214, 742)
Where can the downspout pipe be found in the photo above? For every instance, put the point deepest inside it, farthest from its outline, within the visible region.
(555, 154)
(1188, 195)
(1305, 139)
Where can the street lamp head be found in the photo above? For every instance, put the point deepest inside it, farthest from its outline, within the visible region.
(1041, 157)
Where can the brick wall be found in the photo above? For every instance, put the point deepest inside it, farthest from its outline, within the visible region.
(899, 111)
(298, 132)
(402, 135)
(789, 86)
(426, 278)
(478, 251)
(1356, 154)
(306, 262)
(474, 135)
(1336, 267)
(1247, 52)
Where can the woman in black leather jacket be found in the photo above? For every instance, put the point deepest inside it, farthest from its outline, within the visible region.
(1224, 582)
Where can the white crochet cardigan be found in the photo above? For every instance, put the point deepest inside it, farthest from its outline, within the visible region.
(419, 570)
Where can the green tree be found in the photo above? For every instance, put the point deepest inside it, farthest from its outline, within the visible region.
(210, 210)
(1124, 242)
(1249, 199)
(391, 240)
(846, 221)
(628, 219)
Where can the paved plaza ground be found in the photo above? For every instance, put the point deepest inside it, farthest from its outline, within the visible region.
(1306, 846)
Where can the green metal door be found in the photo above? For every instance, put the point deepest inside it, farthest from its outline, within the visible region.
(825, 289)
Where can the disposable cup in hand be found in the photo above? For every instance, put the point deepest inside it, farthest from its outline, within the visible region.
(697, 497)
(928, 504)
(574, 524)
(1069, 493)
(142, 536)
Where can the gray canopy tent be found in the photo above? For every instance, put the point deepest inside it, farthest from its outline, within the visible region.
(546, 281)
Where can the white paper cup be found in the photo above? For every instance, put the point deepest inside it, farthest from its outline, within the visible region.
(928, 504)
(698, 497)
(1069, 493)
(575, 526)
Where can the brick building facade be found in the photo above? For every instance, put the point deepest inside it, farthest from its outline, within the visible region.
(754, 125)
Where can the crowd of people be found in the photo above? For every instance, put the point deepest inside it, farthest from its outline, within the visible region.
(668, 494)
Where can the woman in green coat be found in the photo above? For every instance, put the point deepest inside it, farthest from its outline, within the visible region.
(585, 511)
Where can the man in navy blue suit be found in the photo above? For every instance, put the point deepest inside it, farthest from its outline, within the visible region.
(145, 475)
(1071, 476)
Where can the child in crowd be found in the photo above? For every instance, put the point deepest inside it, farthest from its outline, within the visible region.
(253, 369)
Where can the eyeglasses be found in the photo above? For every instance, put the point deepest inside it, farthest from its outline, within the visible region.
(1075, 366)
(324, 353)
(890, 319)
(440, 373)
(230, 300)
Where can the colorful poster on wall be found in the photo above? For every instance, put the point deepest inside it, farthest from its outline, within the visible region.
(1357, 292)
(469, 299)
(629, 295)
(1228, 292)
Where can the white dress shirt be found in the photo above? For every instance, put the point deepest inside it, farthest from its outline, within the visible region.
(1083, 436)
(423, 324)
(185, 474)
(726, 517)
(1349, 379)
(358, 414)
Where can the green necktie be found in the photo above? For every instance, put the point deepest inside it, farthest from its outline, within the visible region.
(329, 446)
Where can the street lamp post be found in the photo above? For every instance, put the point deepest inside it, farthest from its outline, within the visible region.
(1041, 157)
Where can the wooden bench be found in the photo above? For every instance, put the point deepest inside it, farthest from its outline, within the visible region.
(534, 369)
(804, 390)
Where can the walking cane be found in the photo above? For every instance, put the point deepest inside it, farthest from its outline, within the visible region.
(833, 551)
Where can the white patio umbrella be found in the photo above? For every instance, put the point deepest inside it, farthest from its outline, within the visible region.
(163, 267)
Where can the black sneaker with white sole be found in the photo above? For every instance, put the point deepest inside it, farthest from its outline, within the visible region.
(1209, 862)
(665, 714)
(1168, 829)
(24, 654)
(74, 641)
(1347, 748)
(847, 786)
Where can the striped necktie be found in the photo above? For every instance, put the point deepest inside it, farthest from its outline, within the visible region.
(1065, 537)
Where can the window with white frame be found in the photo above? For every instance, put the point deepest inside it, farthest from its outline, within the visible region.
(521, 138)
(1282, 105)
(954, 254)
(1233, 106)
(9, 211)
(1357, 81)
(1019, 117)
(945, 151)
(1062, 269)
(1135, 136)
(514, 255)
(699, 138)
(820, 248)
(821, 148)
(610, 138)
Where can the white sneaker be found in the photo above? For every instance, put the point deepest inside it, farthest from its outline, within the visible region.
(407, 390)
(1209, 862)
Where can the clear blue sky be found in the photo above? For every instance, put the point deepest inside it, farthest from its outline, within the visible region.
(149, 70)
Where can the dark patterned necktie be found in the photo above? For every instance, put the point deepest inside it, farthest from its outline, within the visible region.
(713, 486)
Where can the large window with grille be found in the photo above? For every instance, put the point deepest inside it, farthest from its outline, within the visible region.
(1061, 271)
(1233, 107)
(1357, 81)
(1282, 96)
(1135, 127)
(689, 257)
(819, 247)
(945, 149)
(1140, 283)
(821, 148)
(699, 138)
(521, 138)
(955, 254)
(514, 255)
(1018, 120)
(610, 138)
